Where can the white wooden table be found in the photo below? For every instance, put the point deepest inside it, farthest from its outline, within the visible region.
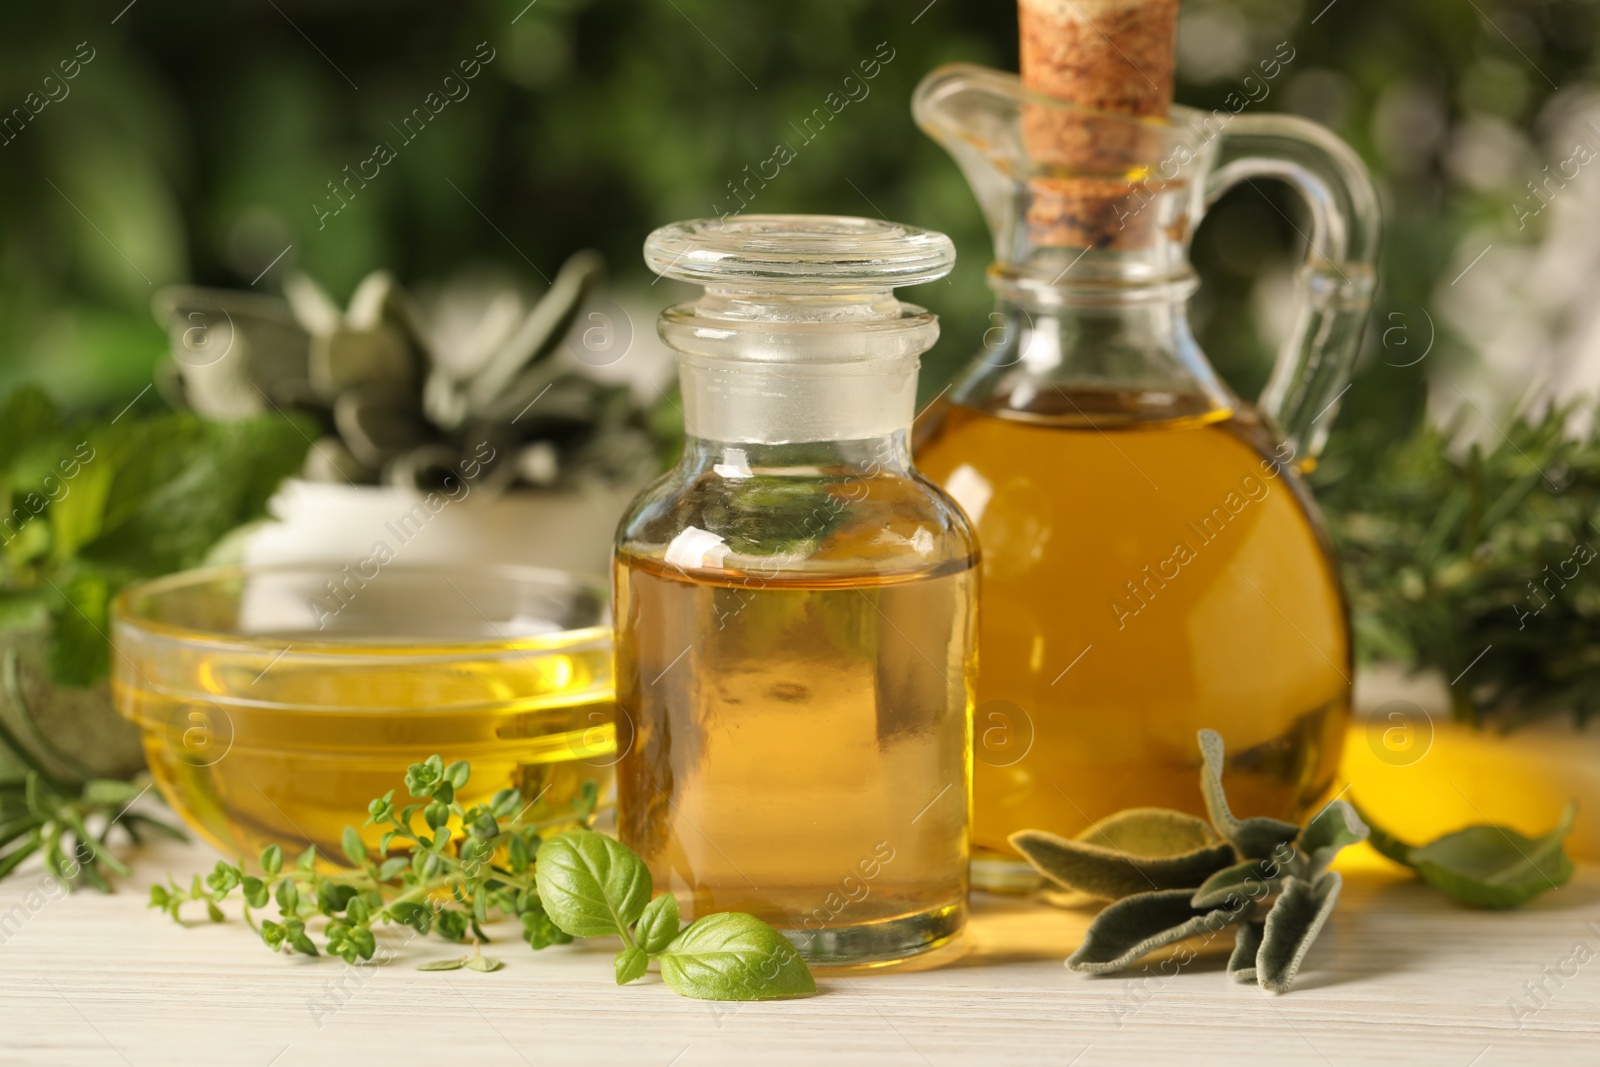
(1400, 976)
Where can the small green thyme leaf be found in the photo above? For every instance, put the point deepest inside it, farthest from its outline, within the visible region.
(734, 956)
(592, 885)
(443, 965)
(354, 850)
(1291, 927)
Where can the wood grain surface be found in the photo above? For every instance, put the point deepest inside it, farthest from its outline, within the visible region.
(1400, 976)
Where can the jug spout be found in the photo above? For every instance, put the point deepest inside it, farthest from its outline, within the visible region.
(1099, 206)
(1107, 196)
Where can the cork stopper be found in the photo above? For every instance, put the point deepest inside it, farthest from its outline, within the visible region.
(1109, 56)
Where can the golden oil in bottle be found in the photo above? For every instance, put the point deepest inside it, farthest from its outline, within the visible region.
(1151, 567)
(801, 749)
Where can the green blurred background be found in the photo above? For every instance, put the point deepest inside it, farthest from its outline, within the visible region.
(196, 140)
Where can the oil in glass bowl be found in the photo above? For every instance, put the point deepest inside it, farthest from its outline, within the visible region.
(275, 702)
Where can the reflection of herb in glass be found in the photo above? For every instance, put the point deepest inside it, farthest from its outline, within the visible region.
(451, 882)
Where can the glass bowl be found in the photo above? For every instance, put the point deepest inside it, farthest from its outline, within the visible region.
(275, 702)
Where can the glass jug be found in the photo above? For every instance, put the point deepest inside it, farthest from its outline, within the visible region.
(795, 605)
(1152, 561)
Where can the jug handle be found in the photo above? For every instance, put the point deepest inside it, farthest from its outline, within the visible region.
(1334, 284)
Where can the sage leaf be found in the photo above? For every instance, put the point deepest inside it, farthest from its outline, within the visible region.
(1495, 866)
(1135, 926)
(1291, 927)
(486, 964)
(659, 923)
(1330, 830)
(631, 963)
(1255, 838)
(1134, 851)
(1246, 944)
(1231, 887)
(590, 884)
(1385, 843)
(443, 965)
(1486, 866)
(733, 956)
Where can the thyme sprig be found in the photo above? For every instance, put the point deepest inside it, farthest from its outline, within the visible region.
(468, 866)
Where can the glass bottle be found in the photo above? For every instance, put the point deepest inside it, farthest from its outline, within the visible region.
(795, 605)
(1152, 561)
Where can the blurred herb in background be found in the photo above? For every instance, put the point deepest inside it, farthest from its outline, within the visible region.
(1477, 560)
(88, 506)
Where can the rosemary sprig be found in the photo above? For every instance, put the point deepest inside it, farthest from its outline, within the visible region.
(1456, 553)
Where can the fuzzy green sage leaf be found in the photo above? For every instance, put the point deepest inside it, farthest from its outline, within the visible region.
(1134, 851)
(1291, 926)
(1138, 925)
(1255, 838)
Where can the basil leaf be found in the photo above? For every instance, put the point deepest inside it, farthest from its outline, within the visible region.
(591, 885)
(1291, 927)
(631, 963)
(486, 964)
(733, 956)
(1140, 924)
(659, 923)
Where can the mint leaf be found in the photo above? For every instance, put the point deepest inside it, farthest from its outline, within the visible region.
(734, 956)
(659, 923)
(591, 885)
(79, 652)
